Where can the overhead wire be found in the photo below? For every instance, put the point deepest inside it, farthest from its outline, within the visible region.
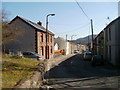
(82, 10)
(79, 27)
(75, 29)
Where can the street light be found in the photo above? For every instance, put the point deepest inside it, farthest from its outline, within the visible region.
(71, 42)
(47, 33)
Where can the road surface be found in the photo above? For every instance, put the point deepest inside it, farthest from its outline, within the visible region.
(74, 72)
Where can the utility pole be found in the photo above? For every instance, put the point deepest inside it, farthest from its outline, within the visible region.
(92, 33)
(71, 42)
(66, 37)
(88, 43)
(47, 37)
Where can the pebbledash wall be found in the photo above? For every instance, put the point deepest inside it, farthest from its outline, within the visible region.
(30, 38)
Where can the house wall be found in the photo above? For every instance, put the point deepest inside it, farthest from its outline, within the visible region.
(56, 46)
(25, 41)
(82, 48)
(95, 46)
(68, 48)
(61, 43)
(112, 43)
(117, 42)
(100, 44)
(30, 39)
(42, 44)
(73, 47)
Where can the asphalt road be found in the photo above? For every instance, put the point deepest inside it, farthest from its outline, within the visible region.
(74, 72)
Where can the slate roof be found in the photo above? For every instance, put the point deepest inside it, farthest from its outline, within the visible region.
(34, 25)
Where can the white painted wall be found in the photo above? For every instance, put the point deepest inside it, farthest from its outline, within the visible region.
(68, 48)
(56, 46)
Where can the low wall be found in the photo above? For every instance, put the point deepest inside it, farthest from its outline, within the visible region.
(36, 80)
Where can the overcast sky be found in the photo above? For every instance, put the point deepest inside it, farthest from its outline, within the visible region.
(69, 18)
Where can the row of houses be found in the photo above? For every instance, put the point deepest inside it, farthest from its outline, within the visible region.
(107, 43)
(32, 38)
(66, 45)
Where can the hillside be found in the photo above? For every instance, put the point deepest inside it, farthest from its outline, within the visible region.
(84, 40)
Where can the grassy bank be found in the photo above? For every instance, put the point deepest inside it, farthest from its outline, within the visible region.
(16, 69)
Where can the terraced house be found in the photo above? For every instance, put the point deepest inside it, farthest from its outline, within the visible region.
(32, 37)
(107, 43)
(99, 44)
(112, 42)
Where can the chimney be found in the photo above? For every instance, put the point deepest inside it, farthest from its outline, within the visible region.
(39, 23)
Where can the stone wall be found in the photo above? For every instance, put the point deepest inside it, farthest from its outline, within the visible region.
(35, 81)
(25, 38)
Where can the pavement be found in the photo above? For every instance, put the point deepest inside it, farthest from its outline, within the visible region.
(72, 72)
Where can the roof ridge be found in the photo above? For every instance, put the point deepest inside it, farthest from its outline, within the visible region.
(35, 25)
(26, 19)
(31, 22)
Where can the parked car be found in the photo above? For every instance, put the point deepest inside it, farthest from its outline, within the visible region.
(87, 55)
(97, 60)
(32, 55)
(76, 51)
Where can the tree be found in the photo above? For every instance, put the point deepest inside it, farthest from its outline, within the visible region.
(7, 34)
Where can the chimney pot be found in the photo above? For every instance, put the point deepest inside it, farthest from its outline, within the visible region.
(39, 23)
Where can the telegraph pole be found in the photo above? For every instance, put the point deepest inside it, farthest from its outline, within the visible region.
(66, 37)
(92, 33)
(71, 42)
(88, 43)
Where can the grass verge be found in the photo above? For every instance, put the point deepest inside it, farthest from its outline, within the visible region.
(16, 69)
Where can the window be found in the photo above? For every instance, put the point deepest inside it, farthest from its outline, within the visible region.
(48, 37)
(102, 38)
(51, 50)
(41, 37)
(51, 38)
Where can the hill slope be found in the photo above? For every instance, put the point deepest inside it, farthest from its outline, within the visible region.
(84, 40)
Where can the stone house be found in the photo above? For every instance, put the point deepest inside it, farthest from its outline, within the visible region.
(33, 37)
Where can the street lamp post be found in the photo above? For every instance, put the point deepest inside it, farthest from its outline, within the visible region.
(47, 33)
(71, 42)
